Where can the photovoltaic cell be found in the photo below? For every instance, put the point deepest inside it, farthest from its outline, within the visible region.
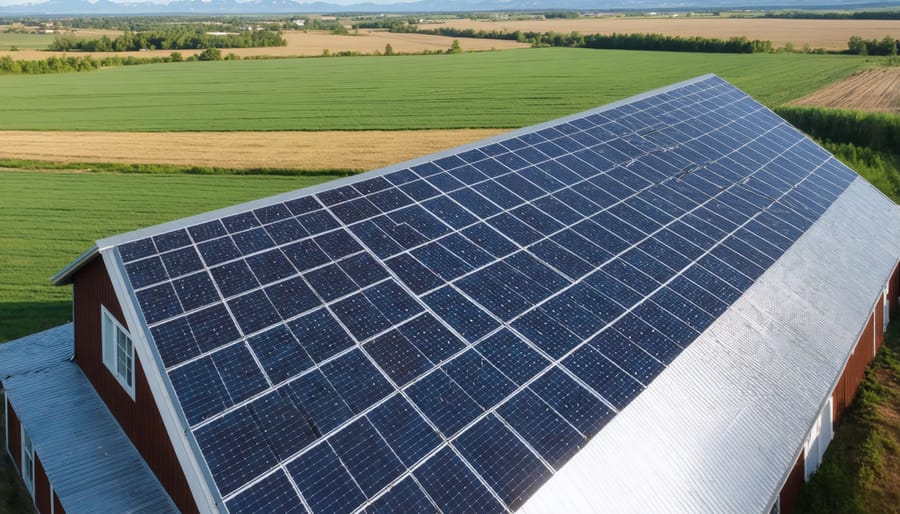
(506, 464)
(272, 494)
(285, 425)
(280, 354)
(366, 456)
(446, 335)
(406, 496)
(453, 487)
(444, 402)
(405, 431)
(331, 488)
(545, 430)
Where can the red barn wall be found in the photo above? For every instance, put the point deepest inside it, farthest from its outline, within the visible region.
(792, 487)
(14, 436)
(855, 369)
(42, 494)
(139, 418)
(57, 507)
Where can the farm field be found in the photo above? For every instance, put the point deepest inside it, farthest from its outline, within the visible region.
(827, 34)
(299, 44)
(876, 90)
(326, 150)
(51, 218)
(470, 90)
(23, 42)
(31, 44)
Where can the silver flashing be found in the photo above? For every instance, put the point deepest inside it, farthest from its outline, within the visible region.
(195, 470)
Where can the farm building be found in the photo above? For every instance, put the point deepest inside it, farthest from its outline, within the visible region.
(663, 304)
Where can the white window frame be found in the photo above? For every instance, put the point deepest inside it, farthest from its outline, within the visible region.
(27, 460)
(116, 359)
(886, 312)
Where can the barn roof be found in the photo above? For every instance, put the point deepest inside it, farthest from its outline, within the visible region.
(468, 328)
(87, 457)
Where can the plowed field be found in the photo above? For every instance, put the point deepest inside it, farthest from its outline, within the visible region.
(876, 90)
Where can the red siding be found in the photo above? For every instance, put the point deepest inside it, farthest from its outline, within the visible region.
(792, 487)
(42, 495)
(57, 507)
(14, 436)
(853, 373)
(139, 417)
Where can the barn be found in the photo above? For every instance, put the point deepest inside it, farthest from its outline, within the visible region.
(664, 304)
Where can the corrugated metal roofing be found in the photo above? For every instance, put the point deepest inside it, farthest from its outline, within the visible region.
(717, 429)
(43, 349)
(90, 462)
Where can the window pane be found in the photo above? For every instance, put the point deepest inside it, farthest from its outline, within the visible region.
(129, 359)
(109, 341)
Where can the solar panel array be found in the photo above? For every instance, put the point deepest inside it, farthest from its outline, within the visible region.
(446, 336)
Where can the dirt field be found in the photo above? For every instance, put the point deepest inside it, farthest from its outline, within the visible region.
(827, 34)
(363, 150)
(876, 90)
(313, 43)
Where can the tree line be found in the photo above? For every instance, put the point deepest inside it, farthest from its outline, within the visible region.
(174, 38)
(880, 132)
(68, 64)
(885, 46)
(657, 42)
(858, 15)
(10, 66)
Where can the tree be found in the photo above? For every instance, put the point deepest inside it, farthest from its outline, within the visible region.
(388, 49)
(210, 54)
(857, 46)
(454, 47)
(176, 57)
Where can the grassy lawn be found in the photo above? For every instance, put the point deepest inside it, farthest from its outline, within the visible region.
(489, 89)
(51, 218)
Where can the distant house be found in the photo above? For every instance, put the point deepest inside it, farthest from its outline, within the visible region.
(299, 23)
(663, 304)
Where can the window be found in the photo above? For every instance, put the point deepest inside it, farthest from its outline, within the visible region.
(118, 352)
(27, 461)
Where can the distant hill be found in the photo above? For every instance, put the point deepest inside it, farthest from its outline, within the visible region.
(98, 7)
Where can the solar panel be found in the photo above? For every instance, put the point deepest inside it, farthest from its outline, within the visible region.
(448, 334)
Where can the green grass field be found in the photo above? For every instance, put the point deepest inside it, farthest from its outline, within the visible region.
(48, 219)
(23, 41)
(489, 89)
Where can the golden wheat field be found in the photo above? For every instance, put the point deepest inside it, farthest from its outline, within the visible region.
(827, 34)
(357, 150)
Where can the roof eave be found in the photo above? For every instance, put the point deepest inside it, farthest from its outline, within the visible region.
(64, 276)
